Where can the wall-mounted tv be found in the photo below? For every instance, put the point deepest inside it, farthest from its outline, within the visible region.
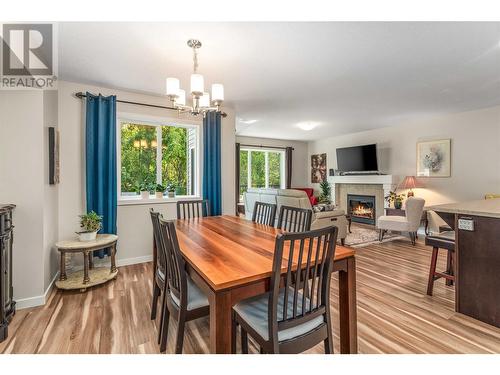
(357, 159)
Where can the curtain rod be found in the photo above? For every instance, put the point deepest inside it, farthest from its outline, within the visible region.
(262, 146)
(81, 95)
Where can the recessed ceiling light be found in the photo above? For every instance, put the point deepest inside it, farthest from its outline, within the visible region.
(248, 121)
(307, 125)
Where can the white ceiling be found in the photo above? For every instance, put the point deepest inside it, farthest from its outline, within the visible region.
(342, 77)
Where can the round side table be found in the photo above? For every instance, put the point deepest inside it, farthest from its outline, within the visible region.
(90, 275)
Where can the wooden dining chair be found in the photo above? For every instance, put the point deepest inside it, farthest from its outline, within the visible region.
(264, 213)
(182, 298)
(294, 219)
(295, 314)
(192, 209)
(159, 261)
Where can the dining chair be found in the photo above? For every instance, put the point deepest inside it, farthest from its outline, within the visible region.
(264, 213)
(182, 298)
(295, 314)
(192, 209)
(294, 219)
(159, 265)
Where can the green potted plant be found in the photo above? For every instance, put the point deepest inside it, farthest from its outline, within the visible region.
(90, 223)
(159, 190)
(326, 191)
(144, 189)
(396, 198)
(171, 190)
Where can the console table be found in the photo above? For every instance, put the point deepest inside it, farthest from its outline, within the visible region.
(389, 211)
(90, 276)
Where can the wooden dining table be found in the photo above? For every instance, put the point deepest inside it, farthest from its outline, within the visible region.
(231, 259)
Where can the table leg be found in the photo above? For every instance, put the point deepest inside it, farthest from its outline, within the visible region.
(86, 278)
(91, 260)
(347, 308)
(113, 262)
(62, 267)
(220, 322)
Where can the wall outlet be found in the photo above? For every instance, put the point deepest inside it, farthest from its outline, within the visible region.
(466, 224)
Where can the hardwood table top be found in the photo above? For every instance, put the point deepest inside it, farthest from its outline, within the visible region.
(229, 251)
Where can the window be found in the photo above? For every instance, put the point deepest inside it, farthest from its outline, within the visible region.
(260, 168)
(153, 154)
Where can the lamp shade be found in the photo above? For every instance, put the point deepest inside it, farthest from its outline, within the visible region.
(181, 97)
(172, 86)
(197, 85)
(408, 183)
(205, 100)
(217, 92)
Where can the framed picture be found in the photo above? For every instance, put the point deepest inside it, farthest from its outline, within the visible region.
(318, 168)
(434, 158)
(53, 156)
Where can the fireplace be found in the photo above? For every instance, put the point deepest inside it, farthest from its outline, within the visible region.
(361, 208)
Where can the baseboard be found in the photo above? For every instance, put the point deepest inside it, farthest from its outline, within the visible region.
(40, 300)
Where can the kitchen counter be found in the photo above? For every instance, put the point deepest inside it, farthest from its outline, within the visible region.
(484, 207)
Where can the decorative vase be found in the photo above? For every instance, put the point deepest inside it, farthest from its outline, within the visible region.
(159, 194)
(87, 236)
(145, 194)
(171, 194)
(398, 205)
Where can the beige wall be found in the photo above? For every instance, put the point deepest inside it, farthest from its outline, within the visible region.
(299, 173)
(475, 153)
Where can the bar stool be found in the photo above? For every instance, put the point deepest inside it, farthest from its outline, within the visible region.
(446, 241)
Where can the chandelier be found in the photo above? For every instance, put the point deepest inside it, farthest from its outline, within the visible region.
(200, 98)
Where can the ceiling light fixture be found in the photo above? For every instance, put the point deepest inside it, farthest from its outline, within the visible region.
(249, 121)
(200, 98)
(307, 125)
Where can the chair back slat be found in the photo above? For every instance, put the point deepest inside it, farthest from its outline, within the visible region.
(303, 291)
(176, 266)
(264, 213)
(160, 254)
(294, 219)
(192, 209)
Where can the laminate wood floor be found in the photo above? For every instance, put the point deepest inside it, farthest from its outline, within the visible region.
(394, 313)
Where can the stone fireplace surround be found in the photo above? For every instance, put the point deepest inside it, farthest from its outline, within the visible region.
(377, 185)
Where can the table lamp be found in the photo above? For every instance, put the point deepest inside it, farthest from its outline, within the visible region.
(408, 183)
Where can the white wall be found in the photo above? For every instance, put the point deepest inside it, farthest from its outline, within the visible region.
(299, 169)
(133, 221)
(475, 153)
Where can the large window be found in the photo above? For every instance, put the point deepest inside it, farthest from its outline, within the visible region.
(260, 168)
(153, 154)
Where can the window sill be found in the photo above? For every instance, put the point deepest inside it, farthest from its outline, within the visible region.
(131, 201)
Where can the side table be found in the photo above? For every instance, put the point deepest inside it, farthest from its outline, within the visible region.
(90, 276)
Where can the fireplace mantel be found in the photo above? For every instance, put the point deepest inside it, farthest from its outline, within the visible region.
(386, 182)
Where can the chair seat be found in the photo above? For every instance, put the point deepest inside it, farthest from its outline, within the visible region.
(254, 311)
(397, 223)
(444, 240)
(196, 297)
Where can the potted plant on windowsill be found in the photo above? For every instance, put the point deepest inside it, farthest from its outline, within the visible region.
(90, 223)
(396, 198)
(171, 190)
(159, 190)
(144, 189)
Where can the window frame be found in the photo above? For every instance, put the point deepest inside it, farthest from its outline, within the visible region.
(266, 151)
(157, 122)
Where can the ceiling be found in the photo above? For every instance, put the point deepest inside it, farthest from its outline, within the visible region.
(332, 78)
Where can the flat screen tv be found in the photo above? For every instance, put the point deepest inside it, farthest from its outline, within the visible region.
(357, 159)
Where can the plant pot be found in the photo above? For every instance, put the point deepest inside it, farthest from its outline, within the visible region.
(87, 236)
(159, 194)
(171, 194)
(398, 205)
(145, 194)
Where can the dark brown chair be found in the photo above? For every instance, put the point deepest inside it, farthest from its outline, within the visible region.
(294, 219)
(192, 209)
(182, 298)
(264, 213)
(159, 266)
(444, 240)
(295, 314)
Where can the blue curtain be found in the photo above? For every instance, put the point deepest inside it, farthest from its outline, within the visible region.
(212, 162)
(101, 161)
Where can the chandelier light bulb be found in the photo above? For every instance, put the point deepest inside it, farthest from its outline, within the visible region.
(205, 100)
(217, 93)
(197, 86)
(181, 97)
(172, 87)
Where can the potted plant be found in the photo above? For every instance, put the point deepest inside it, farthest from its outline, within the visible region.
(90, 224)
(144, 189)
(326, 191)
(396, 198)
(171, 190)
(159, 190)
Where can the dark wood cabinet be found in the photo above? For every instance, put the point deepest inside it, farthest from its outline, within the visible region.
(7, 304)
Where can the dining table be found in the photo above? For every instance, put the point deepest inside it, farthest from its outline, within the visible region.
(231, 258)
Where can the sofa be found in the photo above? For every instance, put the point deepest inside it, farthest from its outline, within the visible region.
(310, 195)
(295, 198)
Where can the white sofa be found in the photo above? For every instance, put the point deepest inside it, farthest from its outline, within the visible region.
(295, 198)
